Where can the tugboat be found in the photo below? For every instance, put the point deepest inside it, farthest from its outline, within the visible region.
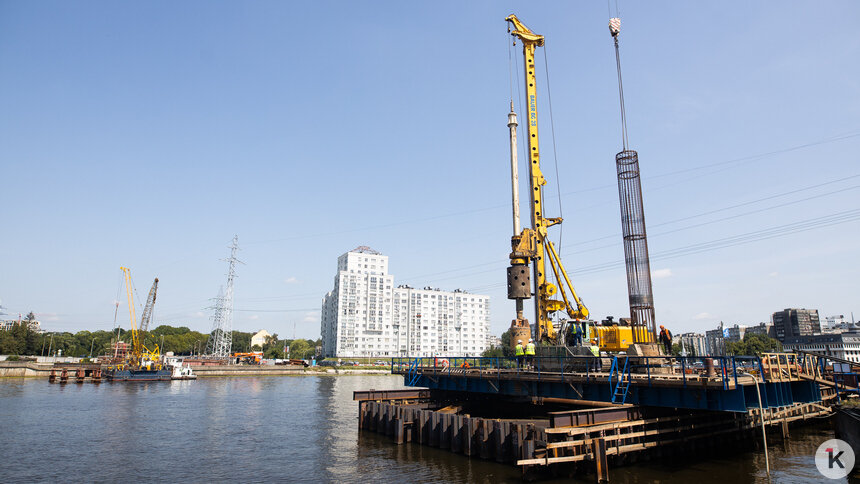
(180, 371)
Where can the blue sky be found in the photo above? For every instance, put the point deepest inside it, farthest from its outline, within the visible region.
(147, 134)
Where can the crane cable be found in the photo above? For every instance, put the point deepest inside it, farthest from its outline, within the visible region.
(554, 150)
(614, 29)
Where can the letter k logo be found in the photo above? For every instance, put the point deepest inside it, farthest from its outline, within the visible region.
(834, 459)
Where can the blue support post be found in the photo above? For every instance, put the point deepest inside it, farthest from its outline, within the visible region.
(648, 365)
(735, 371)
(684, 371)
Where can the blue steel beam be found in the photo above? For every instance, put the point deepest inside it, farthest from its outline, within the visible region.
(738, 399)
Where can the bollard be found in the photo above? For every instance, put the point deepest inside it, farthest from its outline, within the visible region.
(709, 367)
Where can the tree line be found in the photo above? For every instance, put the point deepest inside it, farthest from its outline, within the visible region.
(23, 341)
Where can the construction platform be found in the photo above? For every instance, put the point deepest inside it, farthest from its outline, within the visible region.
(575, 415)
(718, 383)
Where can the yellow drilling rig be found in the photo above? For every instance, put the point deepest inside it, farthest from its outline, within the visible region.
(532, 245)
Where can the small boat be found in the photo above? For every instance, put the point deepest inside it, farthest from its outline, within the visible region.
(180, 370)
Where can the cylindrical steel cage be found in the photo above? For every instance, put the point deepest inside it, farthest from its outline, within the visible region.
(635, 247)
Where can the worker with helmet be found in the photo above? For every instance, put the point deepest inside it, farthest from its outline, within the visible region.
(530, 353)
(519, 352)
(666, 339)
(574, 333)
(595, 351)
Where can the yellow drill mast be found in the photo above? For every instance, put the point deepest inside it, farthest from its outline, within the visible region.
(533, 244)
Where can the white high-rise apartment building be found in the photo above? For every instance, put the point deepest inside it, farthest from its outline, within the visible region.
(366, 316)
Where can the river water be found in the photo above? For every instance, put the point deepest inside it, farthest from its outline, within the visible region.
(278, 429)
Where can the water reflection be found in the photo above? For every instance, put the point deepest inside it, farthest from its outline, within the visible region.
(293, 429)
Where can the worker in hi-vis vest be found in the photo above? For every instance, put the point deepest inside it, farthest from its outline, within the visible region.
(530, 353)
(518, 351)
(575, 333)
(595, 350)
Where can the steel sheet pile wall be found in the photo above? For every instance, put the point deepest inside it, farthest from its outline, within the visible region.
(500, 440)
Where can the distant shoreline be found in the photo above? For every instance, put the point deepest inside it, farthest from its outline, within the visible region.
(28, 369)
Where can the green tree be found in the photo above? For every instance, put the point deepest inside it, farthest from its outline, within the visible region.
(506, 344)
(754, 344)
(494, 352)
(273, 352)
(301, 349)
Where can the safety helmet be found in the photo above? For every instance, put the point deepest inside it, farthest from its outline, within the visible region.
(519, 341)
(530, 340)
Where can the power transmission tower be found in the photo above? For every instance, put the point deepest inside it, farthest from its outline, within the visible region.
(220, 342)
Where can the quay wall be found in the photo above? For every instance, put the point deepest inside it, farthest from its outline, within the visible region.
(21, 369)
(30, 369)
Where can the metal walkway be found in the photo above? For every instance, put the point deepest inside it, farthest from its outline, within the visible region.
(705, 383)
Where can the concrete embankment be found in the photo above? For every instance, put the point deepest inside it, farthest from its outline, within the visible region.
(19, 369)
(30, 369)
(250, 370)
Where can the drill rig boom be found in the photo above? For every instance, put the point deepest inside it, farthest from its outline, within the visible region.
(533, 243)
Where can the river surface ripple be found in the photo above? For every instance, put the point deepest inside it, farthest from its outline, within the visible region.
(278, 429)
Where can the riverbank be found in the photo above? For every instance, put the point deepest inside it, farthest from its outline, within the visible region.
(29, 369)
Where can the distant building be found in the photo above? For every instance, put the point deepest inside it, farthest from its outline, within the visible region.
(765, 329)
(8, 324)
(493, 341)
(715, 341)
(842, 345)
(695, 344)
(366, 316)
(838, 324)
(793, 322)
(259, 338)
(734, 333)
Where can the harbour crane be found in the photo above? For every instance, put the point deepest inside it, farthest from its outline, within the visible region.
(140, 355)
(533, 244)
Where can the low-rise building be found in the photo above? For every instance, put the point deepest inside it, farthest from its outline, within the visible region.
(842, 345)
(765, 329)
(8, 324)
(259, 338)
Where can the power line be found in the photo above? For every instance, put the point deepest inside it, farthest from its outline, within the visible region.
(756, 157)
(726, 242)
(670, 222)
